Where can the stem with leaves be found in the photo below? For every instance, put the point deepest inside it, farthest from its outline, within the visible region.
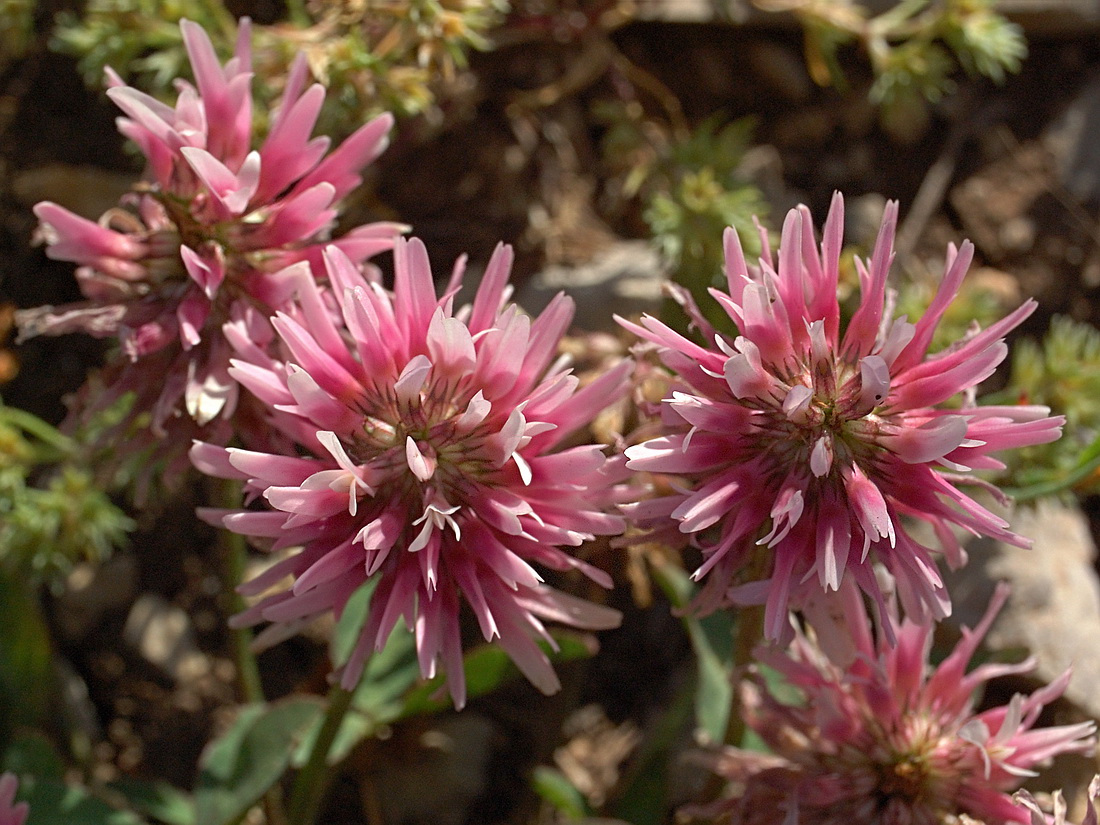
(311, 781)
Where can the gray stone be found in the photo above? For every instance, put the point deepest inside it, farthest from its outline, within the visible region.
(697, 11)
(163, 635)
(625, 278)
(1071, 139)
(1054, 608)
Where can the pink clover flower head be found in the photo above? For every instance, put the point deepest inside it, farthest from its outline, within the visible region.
(1025, 799)
(215, 221)
(808, 439)
(11, 812)
(435, 461)
(884, 738)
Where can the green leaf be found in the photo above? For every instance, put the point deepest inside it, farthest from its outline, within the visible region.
(351, 622)
(561, 794)
(157, 800)
(238, 767)
(53, 802)
(31, 753)
(1087, 464)
(25, 671)
(712, 640)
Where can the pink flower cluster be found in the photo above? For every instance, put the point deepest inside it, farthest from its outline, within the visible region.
(203, 239)
(1039, 818)
(881, 737)
(808, 439)
(433, 461)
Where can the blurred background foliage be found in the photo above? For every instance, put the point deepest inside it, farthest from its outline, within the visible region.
(371, 55)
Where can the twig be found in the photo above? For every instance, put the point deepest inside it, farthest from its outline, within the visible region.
(938, 177)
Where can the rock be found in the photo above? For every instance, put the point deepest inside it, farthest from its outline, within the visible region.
(863, 218)
(163, 635)
(1054, 609)
(697, 11)
(1071, 139)
(625, 278)
(781, 68)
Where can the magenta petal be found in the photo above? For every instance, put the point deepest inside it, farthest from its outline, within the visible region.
(933, 439)
(341, 168)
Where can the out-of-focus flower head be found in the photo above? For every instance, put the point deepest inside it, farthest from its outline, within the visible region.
(205, 233)
(882, 737)
(808, 439)
(11, 813)
(435, 463)
(1024, 798)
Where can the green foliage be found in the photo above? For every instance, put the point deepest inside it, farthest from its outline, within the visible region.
(53, 511)
(554, 788)
(983, 42)
(238, 767)
(25, 650)
(1062, 373)
(54, 802)
(712, 641)
(914, 47)
(156, 800)
(140, 39)
(16, 29)
(30, 752)
(691, 189)
(695, 191)
(982, 300)
(373, 57)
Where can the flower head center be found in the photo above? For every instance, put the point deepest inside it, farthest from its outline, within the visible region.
(821, 414)
(431, 441)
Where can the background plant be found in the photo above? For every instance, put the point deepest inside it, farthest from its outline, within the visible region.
(372, 56)
(914, 48)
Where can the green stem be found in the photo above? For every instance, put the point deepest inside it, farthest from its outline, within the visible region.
(35, 426)
(748, 632)
(233, 551)
(310, 783)
(234, 555)
(1055, 485)
(1087, 464)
